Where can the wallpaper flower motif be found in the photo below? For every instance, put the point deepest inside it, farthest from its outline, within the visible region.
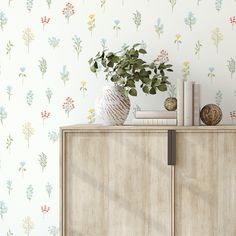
(232, 21)
(3, 20)
(29, 98)
(218, 97)
(218, 4)
(211, 73)
(28, 37)
(117, 26)
(53, 136)
(9, 142)
(190, 20)
(83, 87)
(68, 105)
(9, 92)
(68, 11)
(231, 66)
(159, 27)
(137, 18)
(103, 3)
(53, 41)
(49, 2)
(43, 67)
(186, 70)
(22, 74)
(3, 114)
(91, 23)
(29, 5)
(77, 44)
(49, 94)
(173, 3)
(9, 48)
(217, 37)
(9, 187)
(28, 225)
(178, 40)
(64, 74)
(29, 192)
(45, 20)
(28, 131)
(197, 48)
(3, 209)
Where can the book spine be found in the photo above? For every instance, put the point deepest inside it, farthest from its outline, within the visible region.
(188, 103)
(196, 104)
(154, 122)
(155, 115)
(180, 102)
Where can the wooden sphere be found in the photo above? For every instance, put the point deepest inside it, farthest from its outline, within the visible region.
(211, 114)
(170, 104)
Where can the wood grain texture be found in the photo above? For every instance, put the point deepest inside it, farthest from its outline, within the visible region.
(116, 184)
(155, 128)
(205, 184)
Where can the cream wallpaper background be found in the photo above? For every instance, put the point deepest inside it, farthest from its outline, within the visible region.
(45, 81)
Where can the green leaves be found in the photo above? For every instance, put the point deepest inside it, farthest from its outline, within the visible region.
(152, 91)
(133, 92)
(162, 87)
(146, 89)
(125, 68)
(130, 83)
(142, 51)
(110, 64)
(93, 69)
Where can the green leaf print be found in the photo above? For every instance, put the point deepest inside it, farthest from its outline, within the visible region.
(173, 3)
(9, 48)
(231, 66)
(43, 66)
(29, 192)
(198, 47)
(190, 20)
(137, 18)
(3, 20)
(43, 160)
(9, 187)
(3, 209)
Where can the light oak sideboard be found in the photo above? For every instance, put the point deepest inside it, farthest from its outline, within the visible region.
(148, 181)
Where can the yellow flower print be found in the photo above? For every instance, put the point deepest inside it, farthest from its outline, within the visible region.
(83, 86)
(91, 116)
(91, 22)
(178, 40)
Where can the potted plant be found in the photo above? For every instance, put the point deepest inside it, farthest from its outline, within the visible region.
(127, 70)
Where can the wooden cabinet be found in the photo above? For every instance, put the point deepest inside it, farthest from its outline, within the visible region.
(115, 181)
(205, 184)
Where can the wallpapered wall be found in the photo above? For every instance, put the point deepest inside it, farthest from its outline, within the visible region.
(45, 81)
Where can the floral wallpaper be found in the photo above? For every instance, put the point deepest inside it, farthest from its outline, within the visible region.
(45, 82)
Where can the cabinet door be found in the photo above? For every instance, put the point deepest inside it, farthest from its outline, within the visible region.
(205, 184)
(116, 184)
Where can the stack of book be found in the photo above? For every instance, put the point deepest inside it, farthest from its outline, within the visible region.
(188, 103)
(155, 118)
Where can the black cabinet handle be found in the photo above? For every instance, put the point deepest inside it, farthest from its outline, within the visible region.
(171, 147)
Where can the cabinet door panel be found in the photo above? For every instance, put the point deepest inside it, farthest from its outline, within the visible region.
(116, 184)
(205, 184)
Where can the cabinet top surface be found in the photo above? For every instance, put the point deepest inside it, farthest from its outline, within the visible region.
(84, 127)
